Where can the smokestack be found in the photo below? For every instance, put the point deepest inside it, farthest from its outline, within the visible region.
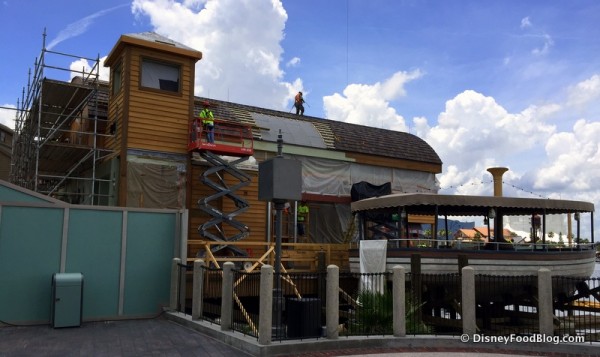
(497, 173)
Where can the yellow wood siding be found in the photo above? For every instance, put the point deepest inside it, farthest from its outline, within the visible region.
(395, 163)
(116, 110)
(255, 216)
(158, 121)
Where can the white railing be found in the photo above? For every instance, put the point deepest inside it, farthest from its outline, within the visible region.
(425, 243)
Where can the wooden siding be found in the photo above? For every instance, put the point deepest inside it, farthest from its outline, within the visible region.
(116, 110)
(158, 121)
(255, 216)
(395, 163)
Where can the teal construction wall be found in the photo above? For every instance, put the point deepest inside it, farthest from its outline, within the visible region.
(125, 256)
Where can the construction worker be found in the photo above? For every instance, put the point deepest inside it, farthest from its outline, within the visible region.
(208, 122)
(302, 218)
(298, 103)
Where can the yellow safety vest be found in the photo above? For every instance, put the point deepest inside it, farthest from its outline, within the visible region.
(302, 213)
(207, 117)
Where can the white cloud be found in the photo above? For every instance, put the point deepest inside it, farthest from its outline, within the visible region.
(240, 42)
(82, 68)
(573, 161)
(369, 104)
(585, 92)
(80, 26)
(293, 62)
(525, 22)
(7, 116)
(548, 42)
(475, 132)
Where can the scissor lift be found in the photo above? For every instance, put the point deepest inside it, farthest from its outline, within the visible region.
(231, 140)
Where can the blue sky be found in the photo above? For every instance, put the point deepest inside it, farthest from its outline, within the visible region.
(485, 83)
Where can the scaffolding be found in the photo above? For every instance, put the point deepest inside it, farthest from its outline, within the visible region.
(60, 128)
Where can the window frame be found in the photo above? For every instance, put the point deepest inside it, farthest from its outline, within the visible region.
(117, 78)
(144, 61)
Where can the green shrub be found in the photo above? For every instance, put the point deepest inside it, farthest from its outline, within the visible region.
(374, 314)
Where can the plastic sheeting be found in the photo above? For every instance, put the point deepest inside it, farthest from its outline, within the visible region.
(373, 258)
(155, 185)
(328, 222)
(332, 177)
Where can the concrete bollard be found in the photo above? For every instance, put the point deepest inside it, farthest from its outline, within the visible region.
(545, 312)
(468, 301)
(174, 284)
(265, 323)
(399, 304)
(227, 297)
(197, 289)
(333, 302)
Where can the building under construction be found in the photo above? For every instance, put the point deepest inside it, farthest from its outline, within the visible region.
(134, 142)
(59, 128)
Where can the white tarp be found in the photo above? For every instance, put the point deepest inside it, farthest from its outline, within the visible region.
(372, 256)
(333, 177)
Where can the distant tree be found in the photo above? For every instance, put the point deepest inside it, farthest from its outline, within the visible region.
(427, 233)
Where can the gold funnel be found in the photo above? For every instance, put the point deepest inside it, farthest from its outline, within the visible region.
(497, 173)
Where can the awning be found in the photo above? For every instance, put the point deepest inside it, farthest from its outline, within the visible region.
(460, 205)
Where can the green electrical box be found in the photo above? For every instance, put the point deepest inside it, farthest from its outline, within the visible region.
(67, 299)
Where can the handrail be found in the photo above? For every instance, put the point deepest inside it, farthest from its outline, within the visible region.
(481, 245)
(226, 133)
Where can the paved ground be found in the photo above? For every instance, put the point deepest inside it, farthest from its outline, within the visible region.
(164, 337)
(152, 337)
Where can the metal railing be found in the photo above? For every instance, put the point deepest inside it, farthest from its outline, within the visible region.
(577, 307)
(504, 305)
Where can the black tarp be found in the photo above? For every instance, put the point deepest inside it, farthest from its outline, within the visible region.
(363, 189)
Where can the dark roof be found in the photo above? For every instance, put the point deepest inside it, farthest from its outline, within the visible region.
(382, 142)
(459, 205)
(336, 135)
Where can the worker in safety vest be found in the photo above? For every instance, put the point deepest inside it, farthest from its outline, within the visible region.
(208, 122)
(299, 103)
(302, 218)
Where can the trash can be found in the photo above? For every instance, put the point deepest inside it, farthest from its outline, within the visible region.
(303, 317)
(67, 299)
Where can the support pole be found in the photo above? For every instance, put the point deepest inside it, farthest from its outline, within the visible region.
(197, 289)
(174, 284)
(545, 302)
(277, 293)
(399, 304)
(333, 302)
(468, 302)
(227, 297)
(265, 323)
